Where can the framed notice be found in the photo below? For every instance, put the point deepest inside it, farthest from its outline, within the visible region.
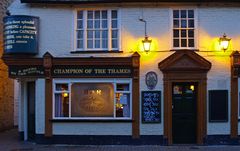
(151, 106)
(218, 105)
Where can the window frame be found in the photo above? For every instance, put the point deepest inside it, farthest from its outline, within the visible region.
(111, 81)
(195, 38)
(109, 29)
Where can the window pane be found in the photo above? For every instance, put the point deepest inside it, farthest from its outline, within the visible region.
(114, 43)
(79, 34)
(104, 34)
(114, 34)
(122, 105)
(183, 33)
(80, 15)
(62, 105)
(97, 23)
(104, 24)
(175, 14)
(183, 43)
(114, 23)
(176, 24)
(97, 34)
(90, 15)
(97, 15)
(122, 87)
(175, 33)
(97, 43)
(90, 24)
(191, 23)
(105, 43)
(62, 87)
(79, 43)
(176, 43)
(90, 34)
(183, 13)
(190, 14)
(190, 33)
(90, 44)
(114, 14)
(104, 14)
(80, 24)
(92, 100)
(191, 43)
(184, 23)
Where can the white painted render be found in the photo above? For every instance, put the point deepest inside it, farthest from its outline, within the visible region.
(40, 106)
(92, 128)
(57, 37)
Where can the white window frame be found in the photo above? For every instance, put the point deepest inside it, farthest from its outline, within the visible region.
(195, 27)
(109, 47)
(112, 81)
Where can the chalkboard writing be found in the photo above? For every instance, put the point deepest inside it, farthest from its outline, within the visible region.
(151, 106)
(21, 34)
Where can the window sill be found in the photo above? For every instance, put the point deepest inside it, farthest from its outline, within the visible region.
(92, 120)
(192, 49)
(95, 51)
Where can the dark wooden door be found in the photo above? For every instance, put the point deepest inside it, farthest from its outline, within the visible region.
(184, 111)
(31, 110)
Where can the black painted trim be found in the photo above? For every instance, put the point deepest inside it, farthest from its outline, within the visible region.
(221, 140)
(92, 120)
(100, 140)
(21, 136)
(126, 1)
(88, 51)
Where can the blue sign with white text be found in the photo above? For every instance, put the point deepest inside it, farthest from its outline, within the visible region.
(21, 34)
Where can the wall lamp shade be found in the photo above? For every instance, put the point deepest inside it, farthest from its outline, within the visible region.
(224, 42)
(146, 44)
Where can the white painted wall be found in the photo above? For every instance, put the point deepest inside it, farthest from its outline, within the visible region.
(56, 36)
(16, 101)
(40, 106)
(92, 128)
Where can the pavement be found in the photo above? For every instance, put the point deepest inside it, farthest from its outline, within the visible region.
(9, 142)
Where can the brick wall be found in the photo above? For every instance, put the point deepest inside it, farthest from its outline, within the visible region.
(6, 85)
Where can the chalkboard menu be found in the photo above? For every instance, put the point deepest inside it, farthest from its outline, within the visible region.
(218, 105)
(21, 34)
(151, 106)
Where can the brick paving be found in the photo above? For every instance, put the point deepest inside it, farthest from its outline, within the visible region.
(9, 142)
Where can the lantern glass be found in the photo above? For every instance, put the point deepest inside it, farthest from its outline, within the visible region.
(147, 44)
(224, 42)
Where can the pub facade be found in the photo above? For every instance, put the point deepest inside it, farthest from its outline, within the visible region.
(125, 72)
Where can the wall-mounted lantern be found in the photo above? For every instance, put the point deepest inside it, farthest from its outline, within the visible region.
(146, 42)
(224, 42)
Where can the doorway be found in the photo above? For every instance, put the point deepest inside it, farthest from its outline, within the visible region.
(31, 110)
(184, 113)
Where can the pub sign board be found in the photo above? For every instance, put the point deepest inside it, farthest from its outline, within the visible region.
(26, 71)
(21, 34)
(91, 71)
(151, 106)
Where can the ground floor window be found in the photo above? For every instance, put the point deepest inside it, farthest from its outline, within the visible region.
(92, 99)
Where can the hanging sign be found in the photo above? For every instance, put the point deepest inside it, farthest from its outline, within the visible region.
(21, 34)
(151, 106)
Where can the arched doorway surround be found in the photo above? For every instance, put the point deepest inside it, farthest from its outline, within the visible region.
(185, 66)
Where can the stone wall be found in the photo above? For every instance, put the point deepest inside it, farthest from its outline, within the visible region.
(6, 84)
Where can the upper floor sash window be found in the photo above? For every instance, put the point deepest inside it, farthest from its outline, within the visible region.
(183, 28)
(97, 30)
